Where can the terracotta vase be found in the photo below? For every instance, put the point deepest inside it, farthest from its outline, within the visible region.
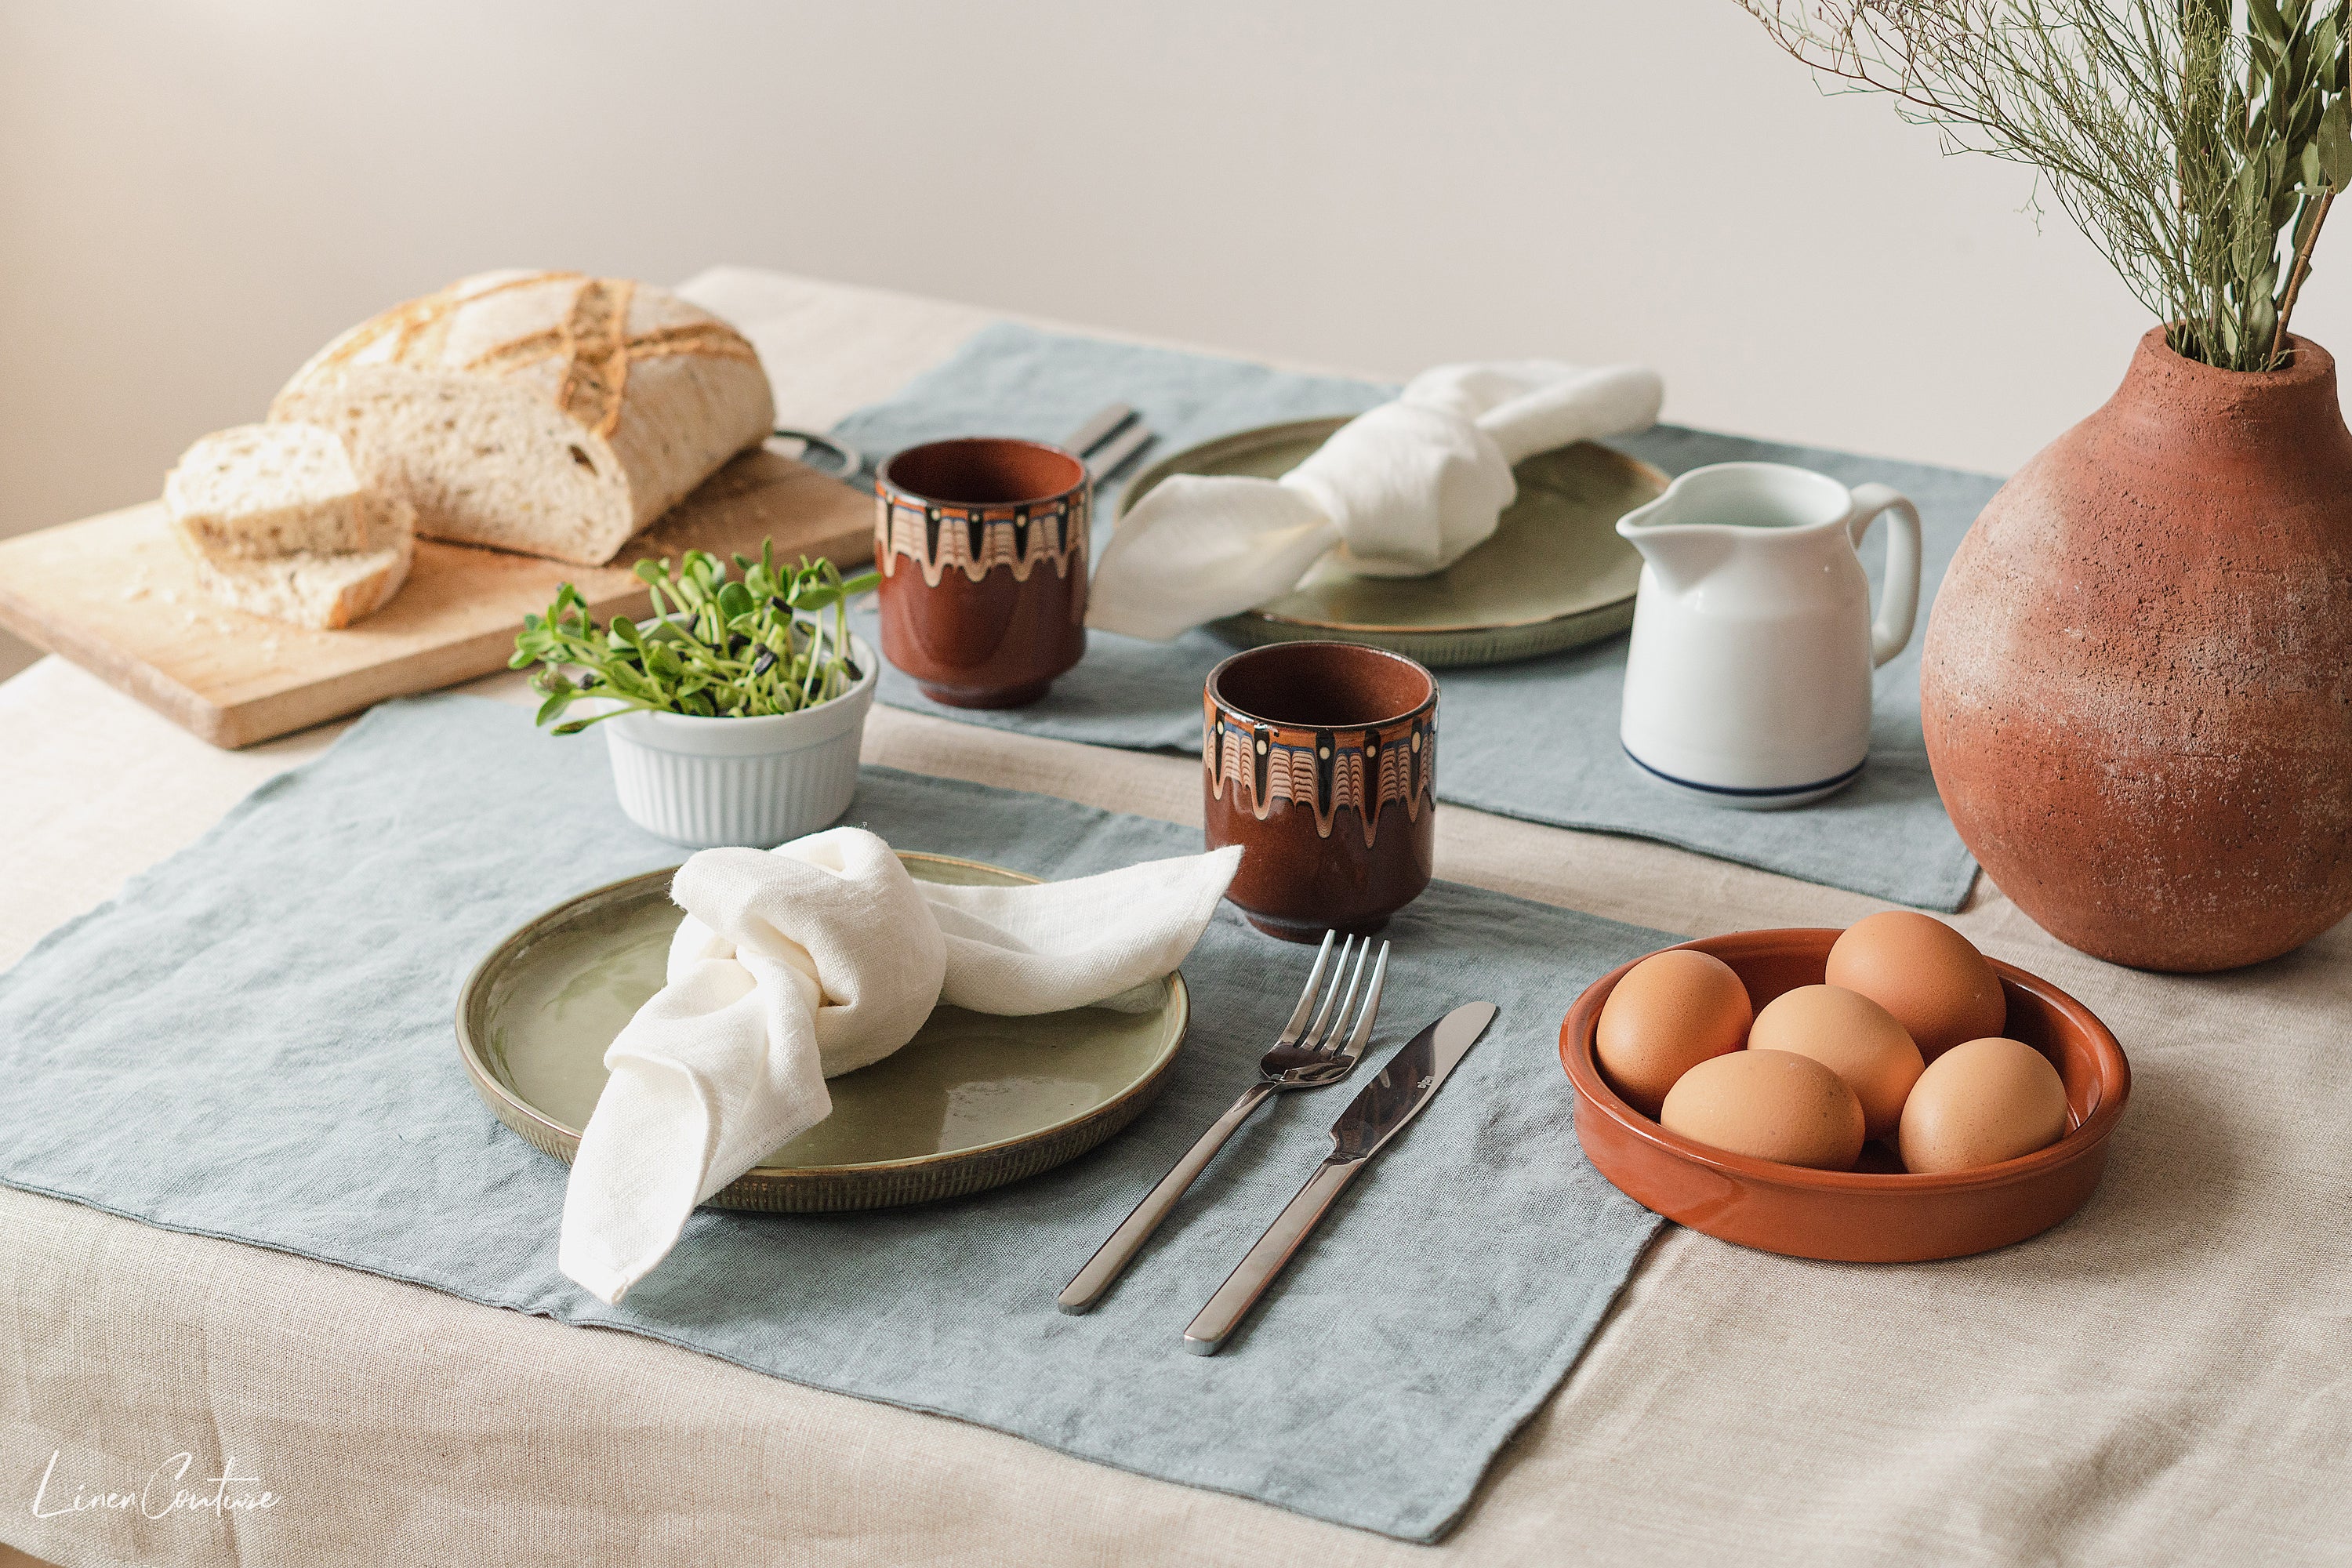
(2138, 687)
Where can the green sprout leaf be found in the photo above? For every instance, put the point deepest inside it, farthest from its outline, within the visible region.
(742, 646)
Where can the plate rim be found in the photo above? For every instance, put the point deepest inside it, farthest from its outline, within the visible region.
(1168, 467)
(487, 1083)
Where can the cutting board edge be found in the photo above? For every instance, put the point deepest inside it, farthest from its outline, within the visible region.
(135, 678)
(261, 719)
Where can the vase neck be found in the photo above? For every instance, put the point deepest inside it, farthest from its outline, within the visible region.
(2296, 404)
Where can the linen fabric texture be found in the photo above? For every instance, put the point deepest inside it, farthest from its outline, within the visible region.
(1404, 489)
(269, 1060)
(1537, 738)
(2108, 1393)
(814, 958)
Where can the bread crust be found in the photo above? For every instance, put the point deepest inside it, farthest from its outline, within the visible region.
(546, 412)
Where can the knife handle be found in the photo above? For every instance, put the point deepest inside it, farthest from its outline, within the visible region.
(1256, 1271)
(1086, 1288)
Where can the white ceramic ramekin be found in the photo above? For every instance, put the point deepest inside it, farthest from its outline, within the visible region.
(708, 781)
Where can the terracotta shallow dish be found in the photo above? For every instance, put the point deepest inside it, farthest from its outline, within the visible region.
(1864, 1215)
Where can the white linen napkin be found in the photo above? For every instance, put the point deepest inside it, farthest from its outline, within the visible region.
(1404, 491)
(799, 964)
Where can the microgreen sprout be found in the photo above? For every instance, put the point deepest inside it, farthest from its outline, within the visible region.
(770, 641)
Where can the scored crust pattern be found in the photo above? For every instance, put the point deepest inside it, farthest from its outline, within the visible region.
(592, 339)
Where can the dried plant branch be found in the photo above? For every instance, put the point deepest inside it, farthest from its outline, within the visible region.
(2301, 270)
(2189, 139)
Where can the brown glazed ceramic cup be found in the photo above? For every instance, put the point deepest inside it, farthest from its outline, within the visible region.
(1878, 1214)
(1319, 759)
(982, 544)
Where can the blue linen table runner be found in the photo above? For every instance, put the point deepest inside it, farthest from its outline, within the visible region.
(1535, 738)
(254, 1041)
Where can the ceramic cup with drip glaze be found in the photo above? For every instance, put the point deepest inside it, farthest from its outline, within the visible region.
(982, 544)
(1319, 759)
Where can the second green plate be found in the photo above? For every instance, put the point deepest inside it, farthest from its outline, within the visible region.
(1555, 575)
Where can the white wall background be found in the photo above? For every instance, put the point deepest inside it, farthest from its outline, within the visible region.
(196, 194)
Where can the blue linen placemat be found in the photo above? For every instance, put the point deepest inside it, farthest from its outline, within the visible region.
(1535, 740)
(254, 1041)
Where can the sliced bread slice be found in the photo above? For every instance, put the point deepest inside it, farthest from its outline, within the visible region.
(277, 522)
(262, 490)
(324, 590)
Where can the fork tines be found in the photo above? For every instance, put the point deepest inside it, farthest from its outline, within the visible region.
(1341, 1026)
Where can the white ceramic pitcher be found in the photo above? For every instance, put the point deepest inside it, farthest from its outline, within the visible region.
(1748, 683)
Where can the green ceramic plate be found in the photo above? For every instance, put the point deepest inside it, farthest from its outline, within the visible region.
(973, 1101)
(1554, 577)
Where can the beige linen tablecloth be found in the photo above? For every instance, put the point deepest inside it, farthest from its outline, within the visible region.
(2166, 1378)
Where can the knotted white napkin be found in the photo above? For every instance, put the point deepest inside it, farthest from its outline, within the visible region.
(1402, 491)
(800, 963)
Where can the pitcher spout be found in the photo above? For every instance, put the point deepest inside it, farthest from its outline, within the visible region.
(1679, 554)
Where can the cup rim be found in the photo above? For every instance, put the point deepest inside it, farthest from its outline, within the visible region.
(1273, 650)
(883, 478)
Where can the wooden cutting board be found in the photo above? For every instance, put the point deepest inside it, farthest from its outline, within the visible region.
(115, 594)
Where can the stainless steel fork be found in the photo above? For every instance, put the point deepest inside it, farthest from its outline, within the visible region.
(1318, 1047)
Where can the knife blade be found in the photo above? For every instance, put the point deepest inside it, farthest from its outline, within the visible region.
(1406, 1083)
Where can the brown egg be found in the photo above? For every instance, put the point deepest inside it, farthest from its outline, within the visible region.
(1852, 1036)
(1770, 1105)
(1934, 981)
(1671, 1011)
(1980, 1103)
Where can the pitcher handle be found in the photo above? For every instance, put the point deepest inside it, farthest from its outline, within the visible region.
(1898, 602)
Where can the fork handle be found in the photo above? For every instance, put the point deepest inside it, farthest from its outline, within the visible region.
(1258, 1266)
(1086, 1288)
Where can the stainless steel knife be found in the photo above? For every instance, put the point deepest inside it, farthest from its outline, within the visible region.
(1411, 1079)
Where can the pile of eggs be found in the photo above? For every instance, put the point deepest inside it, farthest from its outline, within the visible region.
(1902, 1044)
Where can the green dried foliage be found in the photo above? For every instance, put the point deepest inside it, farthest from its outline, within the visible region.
(773, 640)
(2199, 142)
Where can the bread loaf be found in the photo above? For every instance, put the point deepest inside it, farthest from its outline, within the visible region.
(542, 411)
(277, 522)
